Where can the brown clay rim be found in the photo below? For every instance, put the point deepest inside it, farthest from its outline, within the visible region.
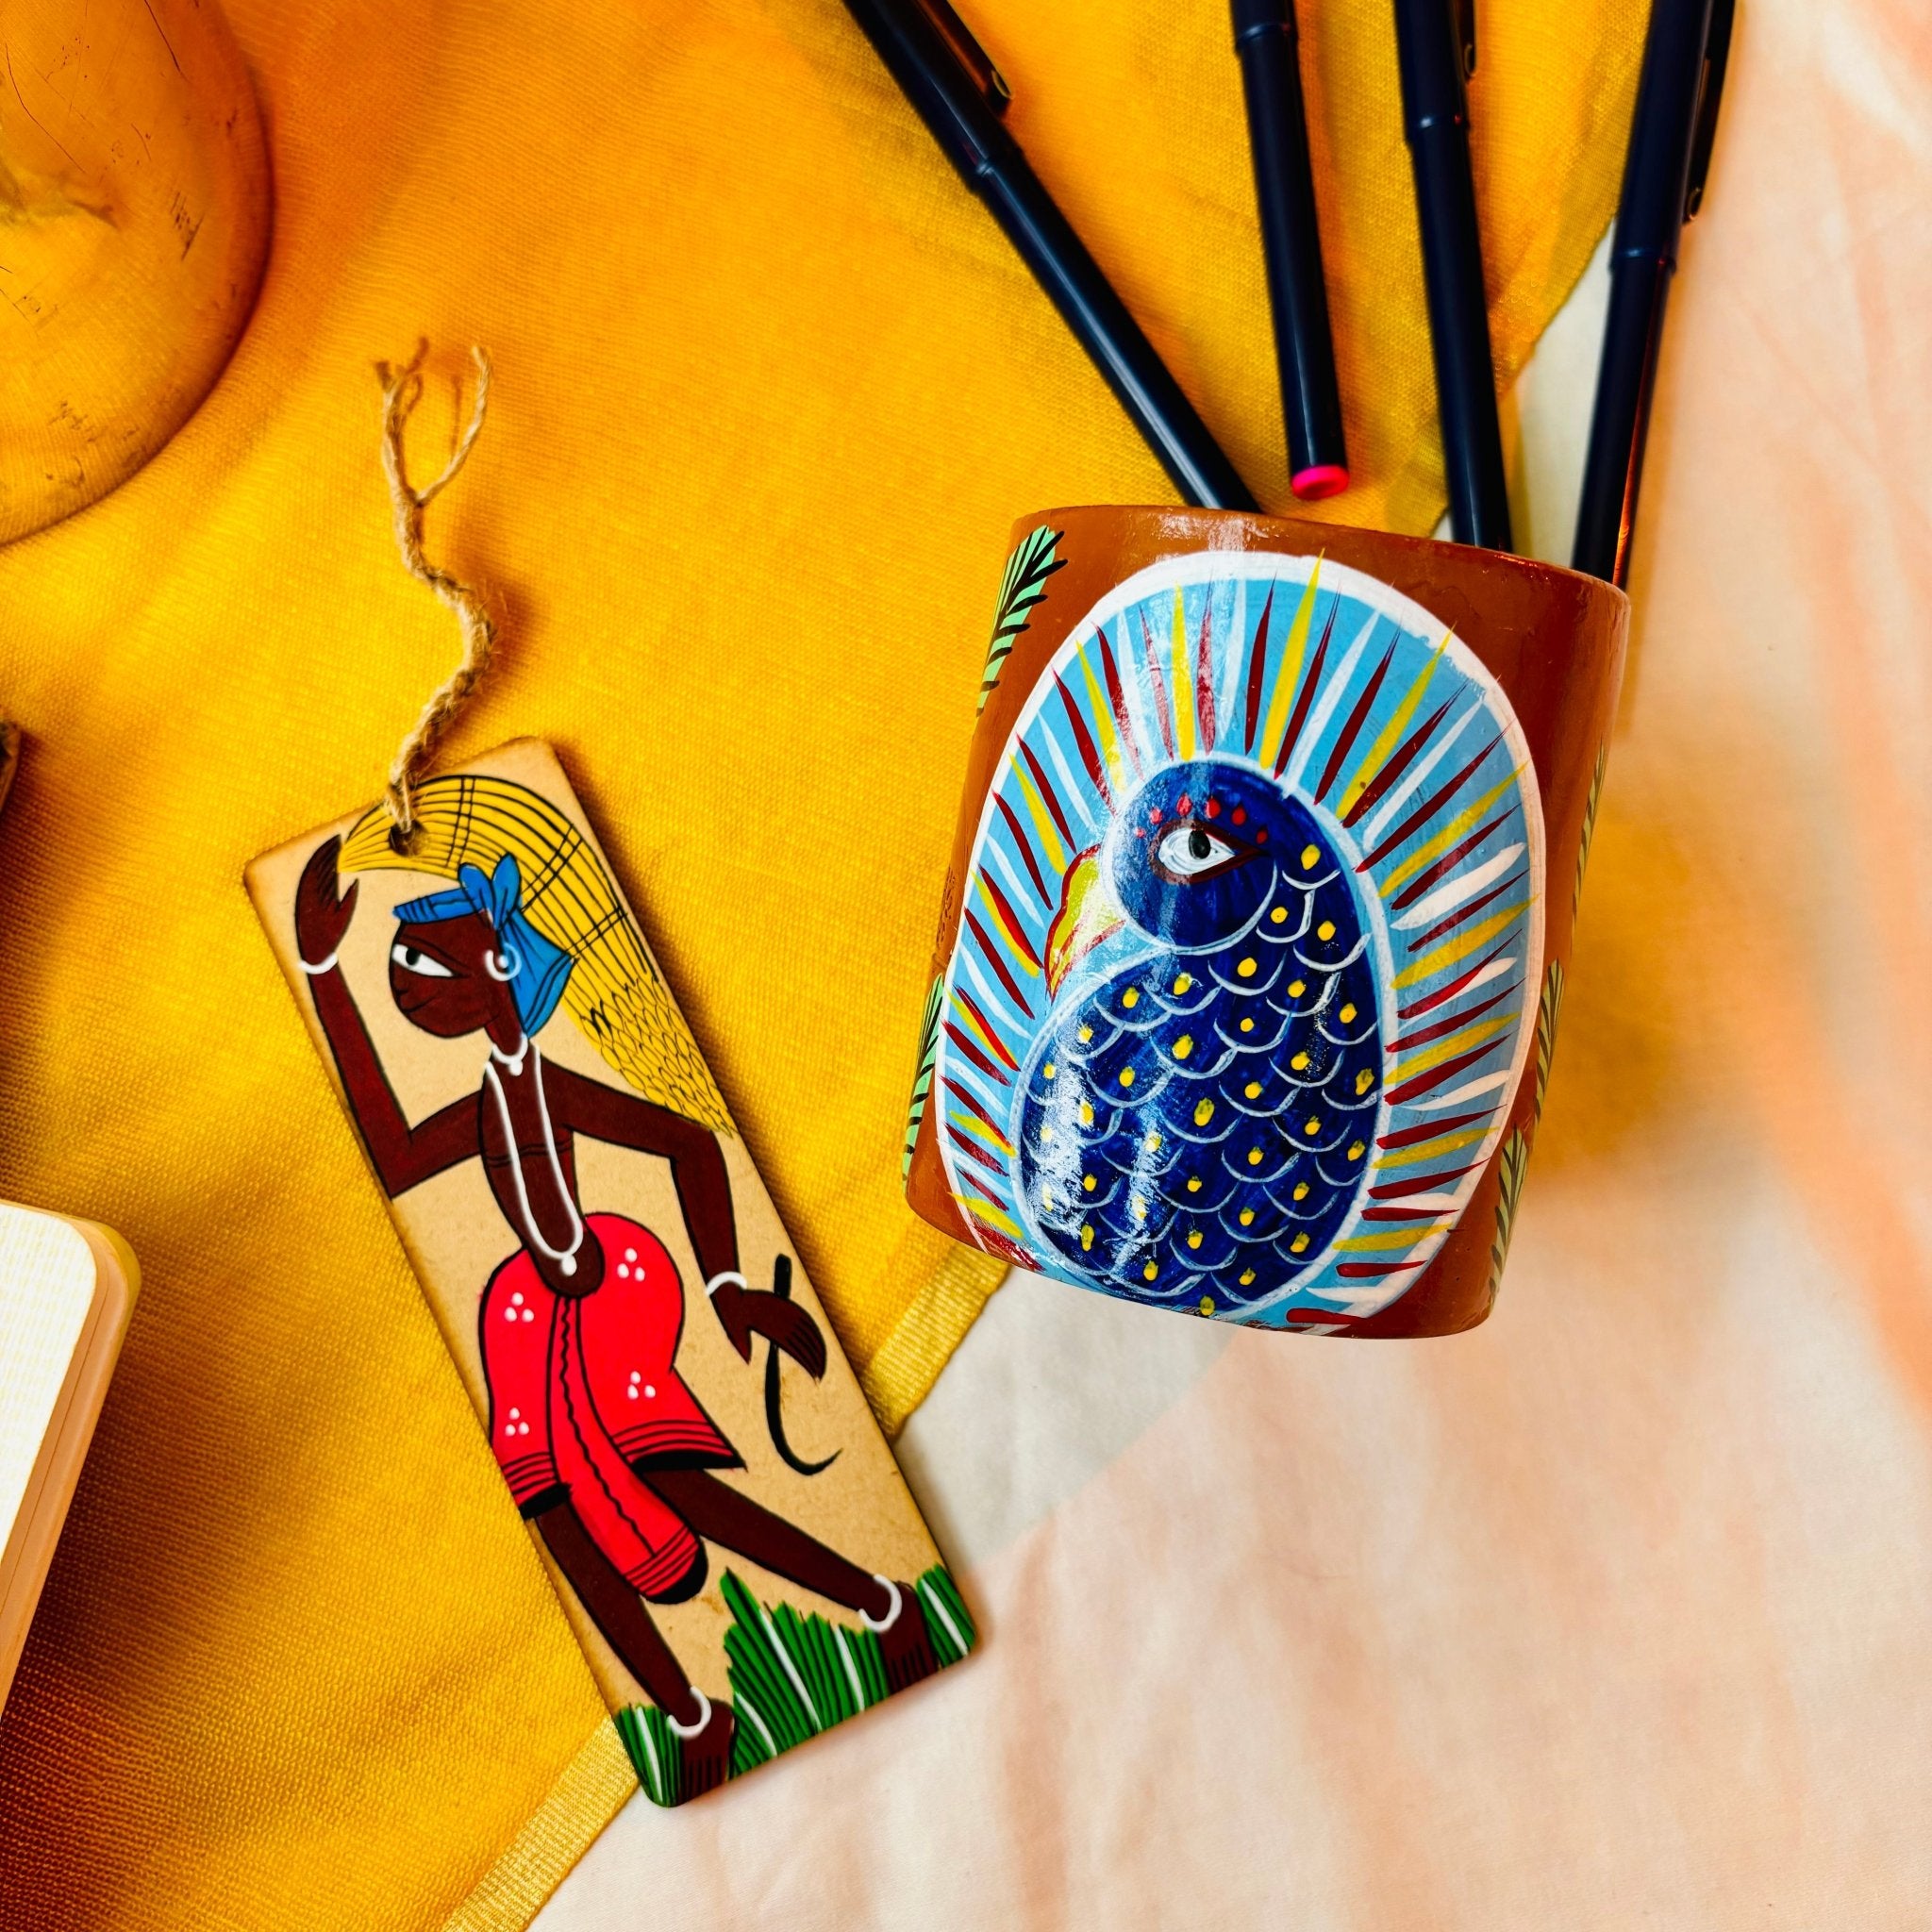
(1260, 524)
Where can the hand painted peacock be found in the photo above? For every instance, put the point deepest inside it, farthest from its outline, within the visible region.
(1238, 1002)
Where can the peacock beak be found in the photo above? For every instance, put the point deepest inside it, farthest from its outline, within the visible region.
(1088, 913)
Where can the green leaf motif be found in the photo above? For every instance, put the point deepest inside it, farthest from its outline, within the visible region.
(1549, 1010)
(792, 1678)
(1589, 806)
(1022, 588)
(1511, 1166)
(921, 1080)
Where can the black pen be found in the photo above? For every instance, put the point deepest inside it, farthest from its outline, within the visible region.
(1435, 42)
(1265, 39)
(959, 96)
(1664, 172)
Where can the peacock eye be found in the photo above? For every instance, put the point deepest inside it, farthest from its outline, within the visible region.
(1189, 851)
(411, 960)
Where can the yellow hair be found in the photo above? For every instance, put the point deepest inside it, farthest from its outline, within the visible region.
(614, 993)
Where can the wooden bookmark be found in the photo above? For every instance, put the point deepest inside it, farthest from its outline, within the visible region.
(737, 1551)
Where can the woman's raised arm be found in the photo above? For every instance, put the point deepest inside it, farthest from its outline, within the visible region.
(402, 1155)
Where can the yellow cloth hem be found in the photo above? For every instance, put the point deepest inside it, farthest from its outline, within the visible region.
(595, 1786)
(907, 1363)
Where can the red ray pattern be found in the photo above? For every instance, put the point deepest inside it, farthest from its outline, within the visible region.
(1257, 673)
(1352, 731)
(1310, 685)
(1378, 786)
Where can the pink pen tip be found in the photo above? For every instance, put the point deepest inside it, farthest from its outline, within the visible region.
(1319, 480)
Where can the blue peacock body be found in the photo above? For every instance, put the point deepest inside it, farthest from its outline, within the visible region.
(1199, 1121)
(1239, 1000)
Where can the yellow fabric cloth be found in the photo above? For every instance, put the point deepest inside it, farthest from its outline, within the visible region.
(769, 389)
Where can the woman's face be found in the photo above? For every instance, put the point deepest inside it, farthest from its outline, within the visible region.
(441, 976)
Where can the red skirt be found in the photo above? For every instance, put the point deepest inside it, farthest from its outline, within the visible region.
(580, 1389)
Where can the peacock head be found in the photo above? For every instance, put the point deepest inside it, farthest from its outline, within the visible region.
(1190, 860)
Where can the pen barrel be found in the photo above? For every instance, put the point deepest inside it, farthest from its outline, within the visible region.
(1266, 42)
(1459, 333)
(1045, 240)
(1657, 164)
(1620, 423)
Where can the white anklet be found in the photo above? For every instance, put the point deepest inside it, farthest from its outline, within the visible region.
(704, 1718)
(878, 1626)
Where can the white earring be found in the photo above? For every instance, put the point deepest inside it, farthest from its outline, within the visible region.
(503, 965)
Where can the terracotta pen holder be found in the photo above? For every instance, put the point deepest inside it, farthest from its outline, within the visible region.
(1253, 944)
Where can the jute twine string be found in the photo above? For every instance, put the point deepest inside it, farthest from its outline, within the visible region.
(402, 390)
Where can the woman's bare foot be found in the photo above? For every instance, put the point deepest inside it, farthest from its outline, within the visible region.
(705, 1754)
(904, 1648)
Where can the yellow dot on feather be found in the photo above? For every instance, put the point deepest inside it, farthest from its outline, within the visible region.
(1301, 1190)
(1309, 854)
(1248, 1277)
(1086, 1034)
(1087, 1236)
(1131, 997)
(1204, 1112)
(1254, 1157)
(1046, 1197)
(1088, 1182)
(1182, 982)
(1346, 1014)
(1193, 1184)
(1139, 1208)
(1356, 1151)
(1184, 1047)
(1194, 1238)
(1049, 1070)
(1326, 930)
(1312, 1125)
(1247, 1217)
(1247, 1025)
(1253, 1089)
(1246, 969)
(1279, 916)
(1299, 1063)
(1152, 1269)
(1127, 1077)
(1086, 1113)
(1152, 1143)
(1299, 1242)
(1046, 1135)
(1296, 990)
(1206, 1307)
(1364, 1080)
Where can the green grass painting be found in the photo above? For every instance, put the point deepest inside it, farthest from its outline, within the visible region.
(792, 1678)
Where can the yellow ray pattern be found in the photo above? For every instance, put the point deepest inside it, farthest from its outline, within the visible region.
(1185, 729)
(1105, 730)
(1447, 836)
(1390, 735)
(1042, 819)
(1290, 674)
(1460, 948)
(1395, 1237)
(1430, 1150)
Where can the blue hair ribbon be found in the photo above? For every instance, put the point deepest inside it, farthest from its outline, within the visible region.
(537, 971)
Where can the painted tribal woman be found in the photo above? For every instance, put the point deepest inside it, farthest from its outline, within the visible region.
(606, 1450)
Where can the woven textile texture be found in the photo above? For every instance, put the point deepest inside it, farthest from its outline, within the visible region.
(769, 389)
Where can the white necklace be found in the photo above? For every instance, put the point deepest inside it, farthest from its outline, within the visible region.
(564, 1257)
(514, 1061)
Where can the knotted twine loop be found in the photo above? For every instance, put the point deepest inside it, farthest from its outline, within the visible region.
(402, 390)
